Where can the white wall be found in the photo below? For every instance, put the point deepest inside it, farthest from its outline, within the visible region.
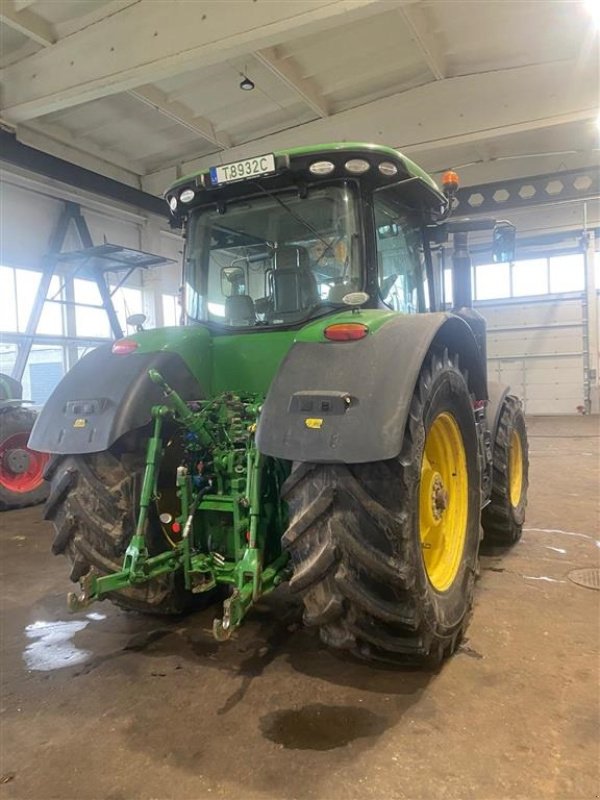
(538, 348)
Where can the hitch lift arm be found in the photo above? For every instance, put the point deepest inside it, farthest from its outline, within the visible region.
(239, 494)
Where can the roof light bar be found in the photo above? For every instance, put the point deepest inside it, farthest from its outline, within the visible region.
(357, 166)
(321, 167)
(388, 169)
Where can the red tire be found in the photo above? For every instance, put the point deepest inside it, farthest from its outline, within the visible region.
(21, 469)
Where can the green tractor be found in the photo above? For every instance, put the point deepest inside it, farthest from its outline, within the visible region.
(319, 419)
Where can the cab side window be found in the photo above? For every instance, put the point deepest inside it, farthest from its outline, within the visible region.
(398, 257)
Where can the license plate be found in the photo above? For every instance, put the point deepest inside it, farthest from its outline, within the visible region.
(239, 170)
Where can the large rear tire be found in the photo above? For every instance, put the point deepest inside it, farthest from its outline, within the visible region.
(385, 554)
(504, 516)
(21, 470)
(93, 504)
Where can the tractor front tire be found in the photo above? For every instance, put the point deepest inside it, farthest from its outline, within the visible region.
(385, 554)
(504, 516)
(21, 470)
(93, 504)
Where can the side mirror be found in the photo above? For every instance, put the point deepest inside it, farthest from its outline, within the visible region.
(233, 281)
(503, 247)
(137, 320)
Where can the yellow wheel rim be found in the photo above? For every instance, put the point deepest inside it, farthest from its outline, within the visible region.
(443, 501)
(515, 469)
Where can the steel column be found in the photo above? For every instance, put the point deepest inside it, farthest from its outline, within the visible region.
(590, 314)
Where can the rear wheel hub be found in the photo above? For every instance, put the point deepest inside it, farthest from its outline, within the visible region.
(17, 461)
(21, 469)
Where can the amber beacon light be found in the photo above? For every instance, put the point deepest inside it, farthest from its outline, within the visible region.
(450, 182)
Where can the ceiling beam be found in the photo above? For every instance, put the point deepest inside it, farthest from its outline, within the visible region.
(61, 145)
(97, 13)
(26, 22)
(21, 4)
(470, 108)
(421, 32)
(287, 71)
(482, 134)
(58, 134)
(33, 160)
(151, 41)
(181, 114)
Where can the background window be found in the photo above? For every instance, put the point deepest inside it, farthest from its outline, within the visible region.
(9, 304)
(26, 285)
(171, 309)
(567, 274)
(530, 277)
(492, 281)
(448, 286)
(127, 301)
(8, 356)
(45, 367)
(89, 321)
(52, 320)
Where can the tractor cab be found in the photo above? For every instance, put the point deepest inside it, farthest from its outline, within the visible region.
(283, 238)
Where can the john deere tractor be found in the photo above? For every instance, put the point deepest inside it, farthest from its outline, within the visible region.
(320, 418)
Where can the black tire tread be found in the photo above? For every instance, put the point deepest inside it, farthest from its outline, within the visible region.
(350, 553)
(502, 524)
(92, 507)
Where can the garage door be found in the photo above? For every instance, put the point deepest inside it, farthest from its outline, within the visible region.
(537, 347)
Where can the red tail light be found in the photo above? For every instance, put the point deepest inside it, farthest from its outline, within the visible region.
(122, 347)
(346, 331)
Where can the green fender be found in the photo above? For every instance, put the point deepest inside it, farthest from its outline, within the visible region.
(496, 392)
(348, 401)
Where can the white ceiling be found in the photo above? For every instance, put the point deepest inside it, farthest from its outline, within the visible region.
(146, 90)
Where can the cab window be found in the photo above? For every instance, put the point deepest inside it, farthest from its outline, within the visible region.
(397, 237)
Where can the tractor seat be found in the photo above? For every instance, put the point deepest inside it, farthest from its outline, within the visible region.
(239, 310)
(294, 284)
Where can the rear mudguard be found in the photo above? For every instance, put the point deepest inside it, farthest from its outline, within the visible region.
(347, 402)
(496, 392)
(105, 396)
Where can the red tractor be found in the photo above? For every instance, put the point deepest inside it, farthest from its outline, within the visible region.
(21, 469)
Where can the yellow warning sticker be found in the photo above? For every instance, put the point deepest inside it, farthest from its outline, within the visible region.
(80, 423)
(314, 422)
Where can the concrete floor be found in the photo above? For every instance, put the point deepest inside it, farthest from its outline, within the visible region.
(114, 706)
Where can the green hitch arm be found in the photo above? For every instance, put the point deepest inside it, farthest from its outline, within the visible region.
(182, 412)
(136, 556)
(153, 453)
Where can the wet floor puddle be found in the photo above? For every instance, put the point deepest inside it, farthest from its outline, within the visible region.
(320, 727)
(51, 643)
